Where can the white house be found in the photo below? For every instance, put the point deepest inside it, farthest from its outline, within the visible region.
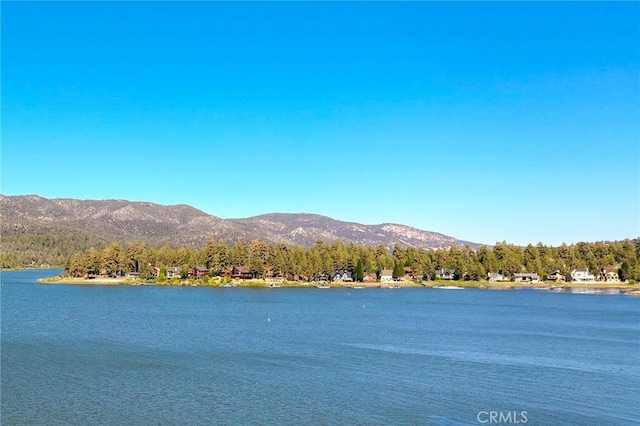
(386, 276)
(496, 277)
(174, 272)
(582, 275)
(342, 276)
(612, 277)
(445, 274)
(609, 274)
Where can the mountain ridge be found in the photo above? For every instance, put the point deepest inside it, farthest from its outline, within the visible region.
(182, 224)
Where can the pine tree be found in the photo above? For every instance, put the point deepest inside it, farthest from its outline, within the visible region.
(398, 270)
(359, 272)
(623, 272)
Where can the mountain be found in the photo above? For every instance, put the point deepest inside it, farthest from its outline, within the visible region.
(305, 229)
(123, 220)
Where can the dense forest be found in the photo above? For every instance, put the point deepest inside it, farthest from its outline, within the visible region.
(44, 249)
(295, 262)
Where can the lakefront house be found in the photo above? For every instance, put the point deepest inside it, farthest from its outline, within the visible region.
(319, 277)
(609, 274)
(386, 276)
(582, 275)
(273, 275)
(556, 276)
(198, 272)
(370, 277)
(242, 272)
(174, 272)
(526, 277)
(494, 277)
(342, 276)
(445, 274)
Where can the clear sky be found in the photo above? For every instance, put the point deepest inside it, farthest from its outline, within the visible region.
(483, 121)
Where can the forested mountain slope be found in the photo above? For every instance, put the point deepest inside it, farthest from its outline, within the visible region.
(36, 230)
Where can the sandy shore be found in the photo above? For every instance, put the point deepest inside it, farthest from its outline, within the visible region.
(84, 281)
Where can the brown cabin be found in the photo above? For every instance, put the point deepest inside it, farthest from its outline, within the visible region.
(241, 272)
(198, 273)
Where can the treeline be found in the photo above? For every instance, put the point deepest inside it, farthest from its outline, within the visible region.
(295, 262)
(46, 249)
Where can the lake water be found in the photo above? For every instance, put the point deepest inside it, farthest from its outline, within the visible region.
(186, 355)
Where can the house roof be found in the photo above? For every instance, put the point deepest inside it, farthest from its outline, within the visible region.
(386, 272)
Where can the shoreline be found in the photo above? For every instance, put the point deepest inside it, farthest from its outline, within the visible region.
(585, 288)
(30, 268)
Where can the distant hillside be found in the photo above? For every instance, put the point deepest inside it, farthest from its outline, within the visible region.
(97, 221)
(305, 229)
(107, 219)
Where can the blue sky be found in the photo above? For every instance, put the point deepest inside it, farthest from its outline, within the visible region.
(483, 121)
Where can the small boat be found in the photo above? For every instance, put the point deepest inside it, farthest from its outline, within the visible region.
(322, 286)
(449, 287)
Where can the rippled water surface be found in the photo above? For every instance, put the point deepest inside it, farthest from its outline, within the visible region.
(187, 355)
